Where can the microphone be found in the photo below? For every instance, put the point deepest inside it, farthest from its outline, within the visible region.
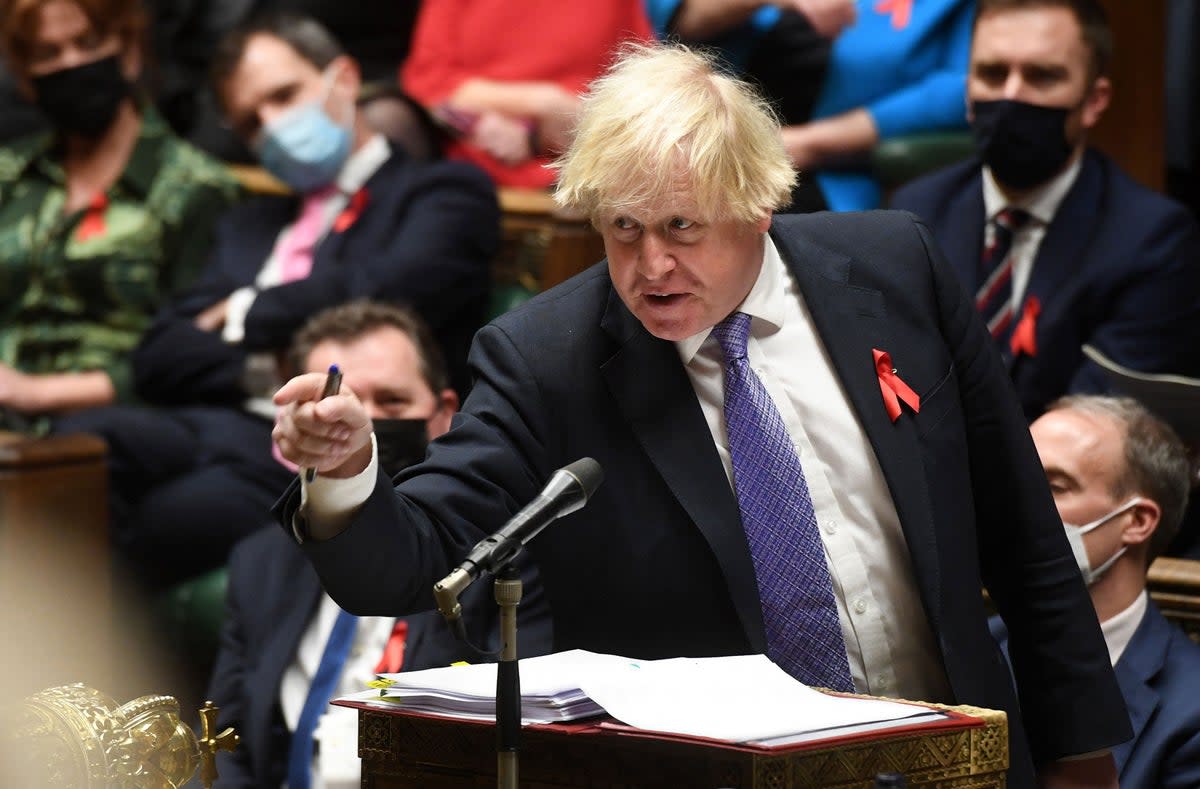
(567, 491)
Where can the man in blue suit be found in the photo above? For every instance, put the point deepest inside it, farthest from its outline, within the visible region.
(1059, 246)
(810, 447)
(1120, 479)
(363, 221)
(278, 621)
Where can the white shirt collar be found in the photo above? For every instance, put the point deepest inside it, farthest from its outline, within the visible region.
(1119, 629)
(764, 301)
(1042, 203)
(362, 164)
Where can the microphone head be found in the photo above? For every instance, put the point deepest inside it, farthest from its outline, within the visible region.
(587, 473)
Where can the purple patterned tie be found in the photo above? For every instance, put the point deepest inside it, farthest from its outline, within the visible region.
(804, 636)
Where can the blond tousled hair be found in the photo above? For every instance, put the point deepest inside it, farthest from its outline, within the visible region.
(665, 110)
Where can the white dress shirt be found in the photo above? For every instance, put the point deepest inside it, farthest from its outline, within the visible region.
(1119, 629)
(1041, 204)
(335, 762)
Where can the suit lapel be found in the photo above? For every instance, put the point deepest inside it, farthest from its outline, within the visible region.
(1064, 246)
(262, 230)
(297, 593)
(851, 321)
(961, 233)
(330, 247)
(1063, 250)
(656, 397)
(1141, 662)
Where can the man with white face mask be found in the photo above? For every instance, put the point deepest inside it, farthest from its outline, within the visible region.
(364, 221)
(1120, 479)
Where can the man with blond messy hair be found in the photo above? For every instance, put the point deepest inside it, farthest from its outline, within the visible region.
(810, 446)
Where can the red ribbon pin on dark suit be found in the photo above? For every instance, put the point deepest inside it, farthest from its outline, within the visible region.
(893, 389)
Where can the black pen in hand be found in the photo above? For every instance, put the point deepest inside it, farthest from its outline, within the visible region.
(333, 383)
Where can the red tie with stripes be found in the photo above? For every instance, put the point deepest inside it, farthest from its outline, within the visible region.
(995, 296)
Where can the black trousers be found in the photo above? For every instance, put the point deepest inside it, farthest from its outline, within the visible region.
(184, 484)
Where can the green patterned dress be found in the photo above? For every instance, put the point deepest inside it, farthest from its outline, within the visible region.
(78, 290)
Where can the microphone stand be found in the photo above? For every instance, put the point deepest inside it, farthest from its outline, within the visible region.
(568, 489)
(508, 680)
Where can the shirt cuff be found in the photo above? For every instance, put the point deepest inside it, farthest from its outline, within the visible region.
(328, 505)
(237, 306)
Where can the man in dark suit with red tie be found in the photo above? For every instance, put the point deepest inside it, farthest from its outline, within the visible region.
(1060, 247)
(810, 446)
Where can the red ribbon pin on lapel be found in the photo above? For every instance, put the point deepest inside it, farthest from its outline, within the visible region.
(893, 389)
(1024, 336)
(351, 212)
(92, 225)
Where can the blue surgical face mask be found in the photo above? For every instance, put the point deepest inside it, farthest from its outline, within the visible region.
(1075, 537)
(305, 148)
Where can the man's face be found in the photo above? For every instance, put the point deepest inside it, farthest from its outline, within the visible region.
(1038, 56)
(272, 78)
(677, 273)
(382, 367)
(66, 38)
(1083, 454)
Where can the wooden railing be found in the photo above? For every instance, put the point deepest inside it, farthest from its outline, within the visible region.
(1175, 588)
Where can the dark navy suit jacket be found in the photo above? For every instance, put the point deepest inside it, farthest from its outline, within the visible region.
(273, 593)
(1119, 268)
(425, 237)
(1159, 674)
(657, 564)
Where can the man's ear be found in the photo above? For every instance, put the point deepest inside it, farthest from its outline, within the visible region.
(1096, 102)
(1143, 521)
(347, 75)
(446, 408)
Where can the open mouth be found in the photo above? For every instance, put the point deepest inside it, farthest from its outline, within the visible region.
(665, 299)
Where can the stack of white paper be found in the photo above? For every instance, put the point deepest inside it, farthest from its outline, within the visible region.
(744, 698)
(550, 689)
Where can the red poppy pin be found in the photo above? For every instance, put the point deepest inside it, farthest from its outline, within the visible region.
(893, 389)
(1024, 336)
(352, 211)
(93, 225)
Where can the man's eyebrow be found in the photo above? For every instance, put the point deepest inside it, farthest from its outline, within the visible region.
(1059, 473)
(1046, 69)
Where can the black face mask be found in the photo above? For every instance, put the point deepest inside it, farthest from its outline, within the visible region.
(1025, 145)
(401, 442)
(83, 99)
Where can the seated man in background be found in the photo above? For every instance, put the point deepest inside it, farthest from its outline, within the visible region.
(279, 624)
(1060, 247)
(189, 479)
(1120, 479)
(102, 219)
